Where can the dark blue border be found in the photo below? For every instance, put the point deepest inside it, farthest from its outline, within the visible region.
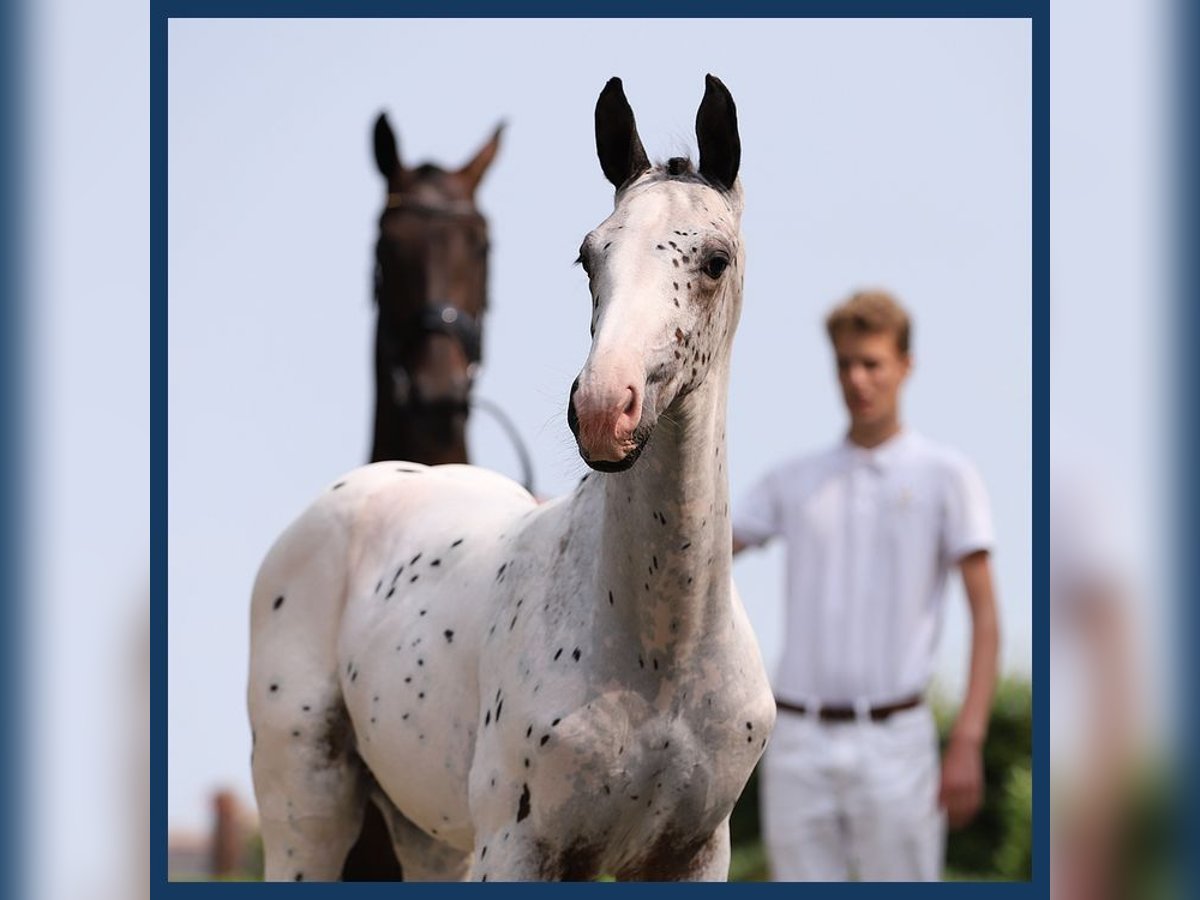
(158, 448)
(1035, 10)
(14, 797)
(1039, 590)
(555, 9)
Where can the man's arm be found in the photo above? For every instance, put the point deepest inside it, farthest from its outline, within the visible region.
(1101, 616)
(1090, 837)
(961, 791)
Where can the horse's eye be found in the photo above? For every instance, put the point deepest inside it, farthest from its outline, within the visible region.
(715, 265)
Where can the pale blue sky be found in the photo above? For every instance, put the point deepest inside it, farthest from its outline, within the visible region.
(886, 153)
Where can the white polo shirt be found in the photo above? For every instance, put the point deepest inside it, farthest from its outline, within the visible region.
(871, 537)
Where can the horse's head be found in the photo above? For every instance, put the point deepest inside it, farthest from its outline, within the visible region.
(665, 273)
(431, 278)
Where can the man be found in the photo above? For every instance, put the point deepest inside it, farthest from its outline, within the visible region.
(851, 786)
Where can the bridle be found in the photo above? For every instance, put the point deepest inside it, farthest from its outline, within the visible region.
(436, 317)
(441, 317)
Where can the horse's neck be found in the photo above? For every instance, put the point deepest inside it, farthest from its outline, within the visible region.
(398, 435)
(666, 542)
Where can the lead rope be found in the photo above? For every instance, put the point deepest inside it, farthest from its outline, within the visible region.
(513, 436)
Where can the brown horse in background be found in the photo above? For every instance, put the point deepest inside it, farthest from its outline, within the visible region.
(430, 295)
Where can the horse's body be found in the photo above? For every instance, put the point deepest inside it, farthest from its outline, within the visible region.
(531, 691)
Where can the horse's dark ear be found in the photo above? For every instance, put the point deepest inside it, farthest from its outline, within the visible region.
(717, 134)
(617, 142)
(472, 173)
(387, 157)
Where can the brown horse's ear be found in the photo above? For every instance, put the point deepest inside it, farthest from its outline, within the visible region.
(472, 173)
(717, 134)
(387, 157)
(617, 143)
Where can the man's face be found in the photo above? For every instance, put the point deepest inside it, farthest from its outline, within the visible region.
(871, 370)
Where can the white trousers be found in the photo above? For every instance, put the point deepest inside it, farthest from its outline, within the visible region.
(853, 800)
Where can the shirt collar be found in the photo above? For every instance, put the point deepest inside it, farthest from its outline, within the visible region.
(882, 456)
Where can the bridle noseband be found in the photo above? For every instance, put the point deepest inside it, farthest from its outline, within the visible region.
(437, 317)
(442, 318)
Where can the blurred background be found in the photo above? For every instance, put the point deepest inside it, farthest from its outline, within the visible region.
(1116, 168)
(909, 168)
(905, 164)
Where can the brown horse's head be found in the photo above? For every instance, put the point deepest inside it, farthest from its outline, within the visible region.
(431, 290)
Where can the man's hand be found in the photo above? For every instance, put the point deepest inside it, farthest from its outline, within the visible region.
(961, 791)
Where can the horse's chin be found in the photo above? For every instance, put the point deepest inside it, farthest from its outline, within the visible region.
(621, 465)
(640, 436)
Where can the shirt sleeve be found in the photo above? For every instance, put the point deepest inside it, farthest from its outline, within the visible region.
(967, 523)
(757, 518)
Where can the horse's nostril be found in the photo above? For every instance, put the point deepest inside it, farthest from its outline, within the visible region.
(572, 416)
(631, 403)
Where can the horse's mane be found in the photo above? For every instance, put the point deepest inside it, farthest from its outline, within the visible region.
(677, 168)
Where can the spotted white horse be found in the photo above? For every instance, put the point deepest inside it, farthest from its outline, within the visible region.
(538, 692)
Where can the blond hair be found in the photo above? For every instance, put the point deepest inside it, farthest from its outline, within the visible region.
(870, 312)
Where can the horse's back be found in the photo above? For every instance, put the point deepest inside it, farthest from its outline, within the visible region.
(351, 542)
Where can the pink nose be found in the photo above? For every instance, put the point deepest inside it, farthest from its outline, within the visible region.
(604, 420)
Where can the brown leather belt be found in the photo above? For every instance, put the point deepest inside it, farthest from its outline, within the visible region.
(848, 713)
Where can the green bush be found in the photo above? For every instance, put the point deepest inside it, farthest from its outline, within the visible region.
(1152, 850)
(998, 842)
(744, 827)
(748, 862)
(1014, 857)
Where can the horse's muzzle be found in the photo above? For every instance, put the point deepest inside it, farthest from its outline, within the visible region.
(599, 437)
